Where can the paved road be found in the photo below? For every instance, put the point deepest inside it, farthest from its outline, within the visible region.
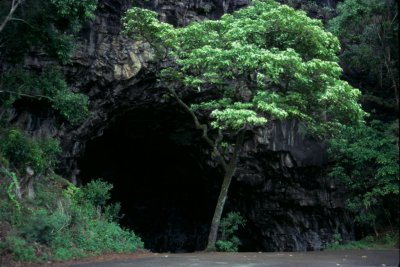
(354, 258)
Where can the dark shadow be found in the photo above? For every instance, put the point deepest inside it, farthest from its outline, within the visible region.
(160, 177)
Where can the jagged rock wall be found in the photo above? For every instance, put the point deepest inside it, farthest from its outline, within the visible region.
(280, 186)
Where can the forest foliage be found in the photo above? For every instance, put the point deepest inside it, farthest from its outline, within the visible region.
(262, 64)
(44, 217)
(365, 159)
(62, 222)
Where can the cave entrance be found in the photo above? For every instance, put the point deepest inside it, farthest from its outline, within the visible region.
(156, 163)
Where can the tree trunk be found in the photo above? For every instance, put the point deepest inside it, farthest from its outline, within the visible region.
(212, 237)
(223, 195)
(31, 189)
(9, 17)
(229, 169)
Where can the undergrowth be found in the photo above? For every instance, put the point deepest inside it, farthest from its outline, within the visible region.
(387, 240)
(228, 240)
(61, 222)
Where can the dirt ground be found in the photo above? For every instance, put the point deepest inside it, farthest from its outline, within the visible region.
(346, 258)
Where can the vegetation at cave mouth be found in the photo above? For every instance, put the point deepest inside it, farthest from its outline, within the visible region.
(264, 63)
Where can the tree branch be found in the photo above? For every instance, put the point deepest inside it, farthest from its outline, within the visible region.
(203, 127)
(9, 17)
(388, 67)
(25, 95)
(236, 151)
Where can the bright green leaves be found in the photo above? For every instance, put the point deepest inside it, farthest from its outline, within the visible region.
(340, 100)
(227, 115)
(271, 103)
(268, 24)
(274, 60)
(235, 119)
(199, 34)
(143, 24)
(213, 104)
(72, 106)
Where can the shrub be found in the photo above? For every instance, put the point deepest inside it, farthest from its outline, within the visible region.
(387, 241)
(61, 224)
(228, 245)
(23, 151)
(72, 106)
(96, 192)
(228, 228)
(20, 249)
(49, 87)
(365, 160)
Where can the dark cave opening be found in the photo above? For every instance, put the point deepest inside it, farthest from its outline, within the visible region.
(157, 165)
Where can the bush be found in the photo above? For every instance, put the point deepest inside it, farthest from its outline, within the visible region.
(72, 106)
(44, 225)
(62, 224)
(336, 241)
(228, 228)
(231, 245)
(23, 151)
(49, 87)
(386, 241)
(20, 249)
(365, 160)
(96, 192)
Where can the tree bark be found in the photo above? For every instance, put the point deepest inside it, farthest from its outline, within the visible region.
(229, 168)
(223, 195)
(9, 17)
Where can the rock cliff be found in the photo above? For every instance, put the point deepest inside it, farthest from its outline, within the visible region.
(280, 187)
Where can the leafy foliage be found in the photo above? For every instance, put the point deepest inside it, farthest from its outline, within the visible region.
(262, 63)
(388, 241)
(48, 85)
(366, 162)
(369, 33)
(50, 25)
(41, 26)
(73, 106)
(22, 151)
(60, 221)
(269, 61)
(229, 242)
(62, 224)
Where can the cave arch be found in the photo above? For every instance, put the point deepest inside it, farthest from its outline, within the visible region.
(158, 166)
(167, 185)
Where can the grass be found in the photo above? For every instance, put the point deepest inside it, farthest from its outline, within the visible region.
(387, 240)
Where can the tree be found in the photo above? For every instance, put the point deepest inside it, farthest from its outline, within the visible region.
(48, 86)
(368, 31)
(10, 15)
(261, 64)
(366, 161)
(365, 158)
(49, 25)
(37, 26)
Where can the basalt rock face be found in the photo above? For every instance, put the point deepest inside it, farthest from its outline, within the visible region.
(280, 185)
(289, 202)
